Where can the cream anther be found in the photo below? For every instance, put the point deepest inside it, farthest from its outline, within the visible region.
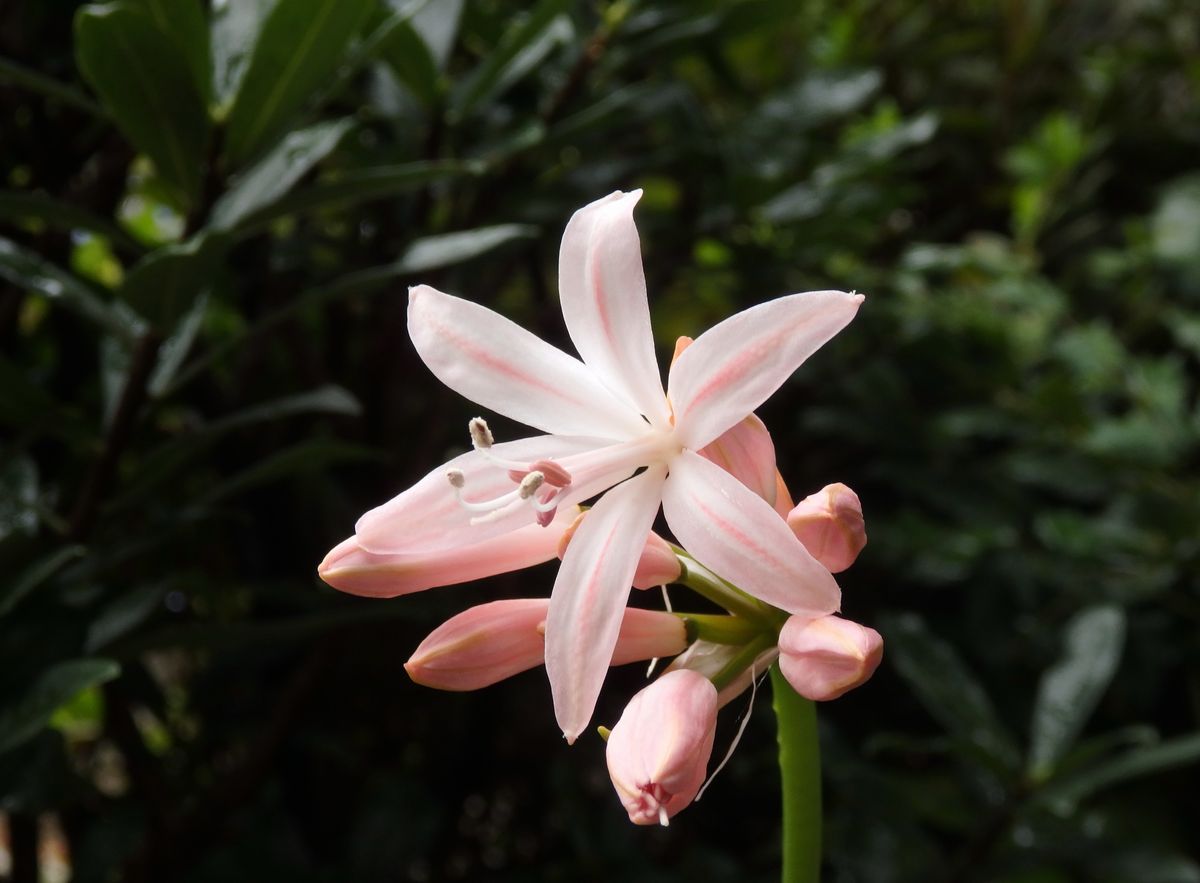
(529, 485)
(481, 435)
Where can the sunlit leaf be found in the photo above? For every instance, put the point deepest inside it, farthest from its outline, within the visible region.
(1071, 688)
(23, 718)
(299, 46)
(148, 87)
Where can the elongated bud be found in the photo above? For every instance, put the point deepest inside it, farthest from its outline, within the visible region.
(830, 525)
(658, 751)
(352, 569)
(491, 642)
(825, 657)
(658, 565)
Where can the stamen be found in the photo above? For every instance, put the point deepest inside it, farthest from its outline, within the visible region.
(481, 435)
(529, 485)
(456, 478)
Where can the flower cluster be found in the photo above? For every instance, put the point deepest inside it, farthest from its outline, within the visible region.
(614, 437)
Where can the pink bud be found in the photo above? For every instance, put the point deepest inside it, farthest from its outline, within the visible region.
(830, 524)
(659, 749)
(658, 566)
(825, 657)
(491, 642)
(746, 452)
(352, 569)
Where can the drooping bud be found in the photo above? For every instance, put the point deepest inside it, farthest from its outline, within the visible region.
(352, 569)
(658, 566)
(830, 525)
(658, 751)
(825, 657)
(488, 643)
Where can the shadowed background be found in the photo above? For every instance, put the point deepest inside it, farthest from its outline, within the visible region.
(210, 214)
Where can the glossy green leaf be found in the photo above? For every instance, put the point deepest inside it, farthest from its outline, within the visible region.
(350, 188)
(299, 47)
(22, 719)
(411, 61)
(436, 22)
(183, 23)
(524, 46)
(1183, 751)
(948, 690)
(165, 461)
(432, 252)
(122, 615)
(233, 32)
(176, 347)
(165, 284)
(306, 456)
(18, 207)
(147, 87)
(1071, 687)
(28, 78)
(14, 589)
(27, 270)
(269, 179)
(18, 496)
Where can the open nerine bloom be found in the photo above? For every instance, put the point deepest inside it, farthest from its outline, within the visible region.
(607, 417)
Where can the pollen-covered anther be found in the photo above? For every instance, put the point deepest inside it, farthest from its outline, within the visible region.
(530, 484)
(456, 478)
(481, 434)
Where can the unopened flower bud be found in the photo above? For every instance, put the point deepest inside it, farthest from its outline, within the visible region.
(830, 525)
(658, 751)
(488, 643)
(353, 569)
(825, 657)
(658, 566)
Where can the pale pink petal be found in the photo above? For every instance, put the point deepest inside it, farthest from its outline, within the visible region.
(735, 533)
(353, 569)
(428, 517)
(603, 293)
(501, 366)
(735, 366)
(746, 452)
(590, 593)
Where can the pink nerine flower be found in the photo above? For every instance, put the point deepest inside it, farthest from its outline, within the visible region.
(608, 417)
(659, 749)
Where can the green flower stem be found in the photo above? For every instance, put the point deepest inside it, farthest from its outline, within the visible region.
(744, 659)
(800, 772)
(718, 629)
(704, 582)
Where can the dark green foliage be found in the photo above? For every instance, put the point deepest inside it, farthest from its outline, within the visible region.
(210, 215)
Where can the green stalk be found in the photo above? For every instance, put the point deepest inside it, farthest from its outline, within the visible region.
(800, 773)
(704, 582)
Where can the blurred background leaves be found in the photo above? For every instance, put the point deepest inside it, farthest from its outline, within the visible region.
(209, 215)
